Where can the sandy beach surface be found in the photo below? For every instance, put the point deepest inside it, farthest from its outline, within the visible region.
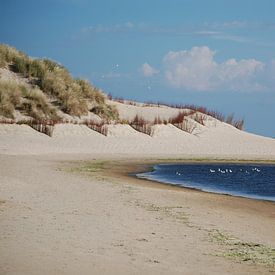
(83, 214)
(68, 205)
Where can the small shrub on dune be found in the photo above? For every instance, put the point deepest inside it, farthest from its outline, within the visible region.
(181, 122)
(230, 119)
(36, 105)
(72, 105)
(37, 69)
(68, 93)
(98, 96)
(3, 62)
(10, 94)
(219, 116)
(6, 108)
(21, 65)
(157, 120)
(123, 121)
(179, 118)
(73, 95)
(52, 84)
(138, 120)
(53, 65)
(141, 125)
(107, 112)
(239, 124)
(90, 92)
(9, 53)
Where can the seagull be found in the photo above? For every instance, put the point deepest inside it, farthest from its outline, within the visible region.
(230, 170)
(258, 170)
(212, 171)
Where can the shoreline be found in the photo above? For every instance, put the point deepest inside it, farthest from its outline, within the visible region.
(147, 166)
(151, 169)
(127, 172)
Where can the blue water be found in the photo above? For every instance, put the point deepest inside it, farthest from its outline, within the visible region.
(245, 180)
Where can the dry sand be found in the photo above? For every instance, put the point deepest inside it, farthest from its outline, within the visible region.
(221, 141)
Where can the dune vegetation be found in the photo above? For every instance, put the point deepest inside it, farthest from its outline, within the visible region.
(48, 87)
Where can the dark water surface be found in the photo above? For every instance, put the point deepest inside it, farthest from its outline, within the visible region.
(255, 181)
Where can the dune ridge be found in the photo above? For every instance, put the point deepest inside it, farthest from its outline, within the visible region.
(222, 141)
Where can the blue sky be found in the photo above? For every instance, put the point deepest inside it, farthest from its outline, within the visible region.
(215, 53)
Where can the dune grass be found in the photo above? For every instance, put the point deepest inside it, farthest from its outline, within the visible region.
(73, 96)
(29, 101)
(10, 95)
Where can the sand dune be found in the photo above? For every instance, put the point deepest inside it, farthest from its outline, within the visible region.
(212, 139)
(220, 141)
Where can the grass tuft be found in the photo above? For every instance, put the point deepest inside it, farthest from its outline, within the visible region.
(10, 95)
(243, 251)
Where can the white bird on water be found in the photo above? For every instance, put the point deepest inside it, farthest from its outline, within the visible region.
(212, 171)
(222, 171)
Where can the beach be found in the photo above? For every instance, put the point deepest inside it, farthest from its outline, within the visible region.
(81, 213)
(70, 202)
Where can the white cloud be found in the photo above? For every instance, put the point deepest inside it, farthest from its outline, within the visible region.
(148, 70)
(197, 70)
(221, 30)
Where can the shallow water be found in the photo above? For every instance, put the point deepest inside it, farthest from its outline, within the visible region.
(245, 180)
